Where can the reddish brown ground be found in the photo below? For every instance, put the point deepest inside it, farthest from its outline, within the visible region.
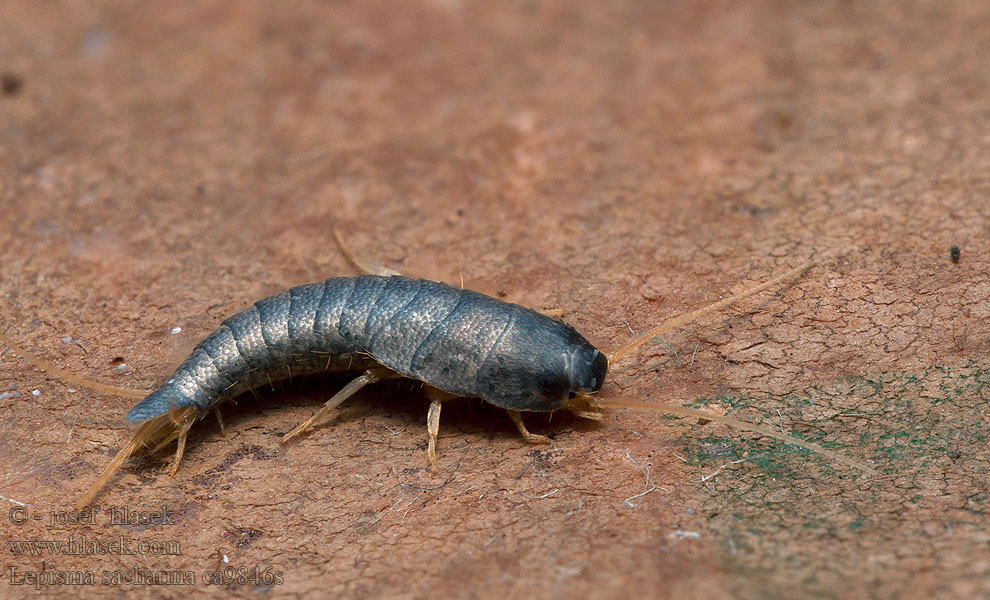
(164, 164)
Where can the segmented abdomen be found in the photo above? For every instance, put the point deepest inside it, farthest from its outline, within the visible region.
(422, 329)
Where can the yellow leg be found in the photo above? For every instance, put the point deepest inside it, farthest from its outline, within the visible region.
(554, 313)
(180, 447)
(433, 427)
(532, 438)
(436, 396)
(369, 376)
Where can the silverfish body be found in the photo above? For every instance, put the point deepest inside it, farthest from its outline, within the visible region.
(459, 341)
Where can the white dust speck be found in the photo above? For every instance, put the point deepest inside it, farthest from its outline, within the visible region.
(35, 392)
(121, 366)
(176, 330)
(67, 340)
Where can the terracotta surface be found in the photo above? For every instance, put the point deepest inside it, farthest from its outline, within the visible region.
(162, 165)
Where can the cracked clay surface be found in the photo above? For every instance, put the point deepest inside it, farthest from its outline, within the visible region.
(162, 166)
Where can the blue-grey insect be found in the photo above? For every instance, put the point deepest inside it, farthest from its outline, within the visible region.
(458, 341)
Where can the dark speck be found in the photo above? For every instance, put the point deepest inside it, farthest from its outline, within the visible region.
(11, 83)
(954, 254)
